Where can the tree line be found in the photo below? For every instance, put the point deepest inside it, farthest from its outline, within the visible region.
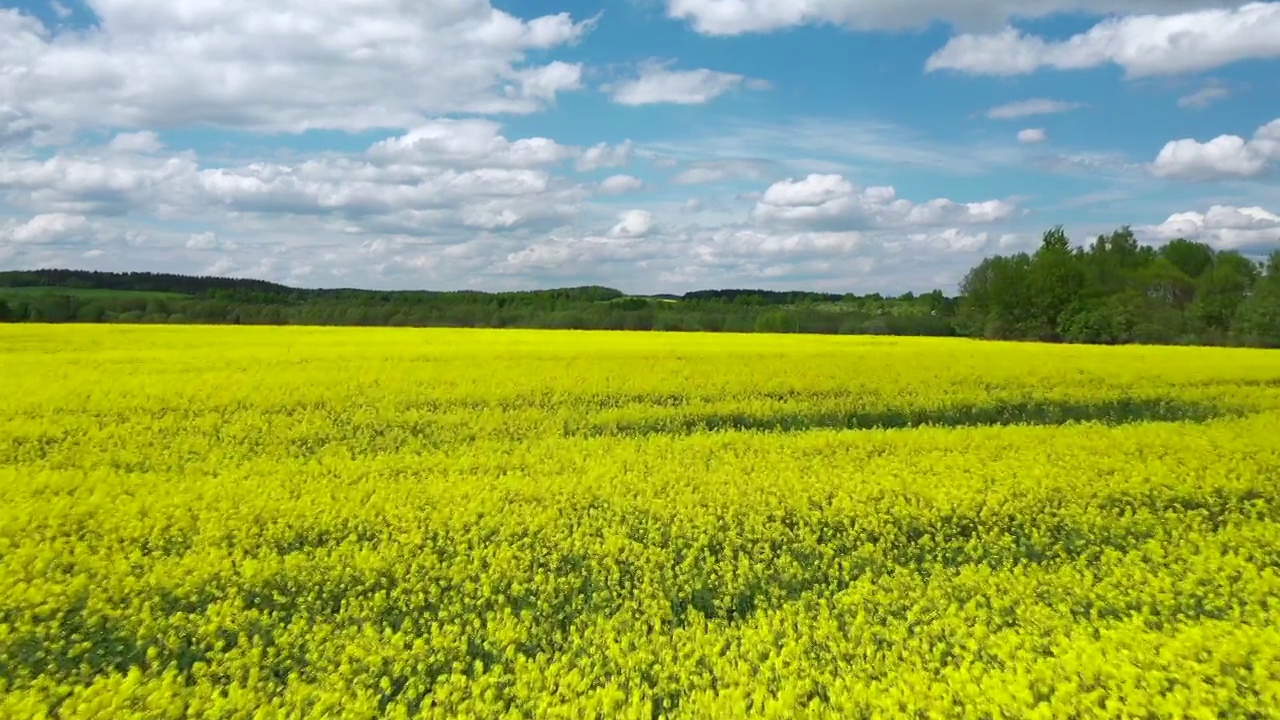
(1118, 291)
(1115, 290)
(74, 296)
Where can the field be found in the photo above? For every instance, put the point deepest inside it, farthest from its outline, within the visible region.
(298, 522)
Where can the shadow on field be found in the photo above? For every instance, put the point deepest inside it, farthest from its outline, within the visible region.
(1248, 383)
(1106, 412)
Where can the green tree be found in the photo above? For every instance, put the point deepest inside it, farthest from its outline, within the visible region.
(1222, 289)
(776, 321)
(1166, 282)
(1257, 320)
(1192, 258)
(91, 313)
(1056, 281)
(996, 298)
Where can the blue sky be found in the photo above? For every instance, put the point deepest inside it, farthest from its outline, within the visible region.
(651, 145)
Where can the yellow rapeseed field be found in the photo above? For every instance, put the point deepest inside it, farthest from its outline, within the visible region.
(360, 523)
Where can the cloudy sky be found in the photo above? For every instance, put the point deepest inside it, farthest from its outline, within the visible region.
(650, 145)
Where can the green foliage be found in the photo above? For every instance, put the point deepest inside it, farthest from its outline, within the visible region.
(1257, 319)
(1117, 291)
(581, 308)
(1192, 258)
(87, 293)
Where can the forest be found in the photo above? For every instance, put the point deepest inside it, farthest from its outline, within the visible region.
(1111, 291)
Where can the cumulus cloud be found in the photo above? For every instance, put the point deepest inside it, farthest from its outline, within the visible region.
(618, 184)
(42, 229)
(209, 241)
(467, 143)
(461, 205)
(632, 224)
(1226, 156)
(952, 240)
(681, 258)
(733, 17)
(1032, 135)
(1252, 230)
(282, 65)
(1035, 106)
(420, 182)
(1144, 45)
(604, 155)
(832, 202)
(97, 183)
(139, 142)
(657, 83)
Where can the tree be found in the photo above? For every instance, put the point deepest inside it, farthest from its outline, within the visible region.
(1056, 281)
(1166, 282)
(1113, 261)
(1257, 320)
(1192, 258)
(1221, 290)
(996, 297)
(91, 313)
(4, 310)
(53, 308)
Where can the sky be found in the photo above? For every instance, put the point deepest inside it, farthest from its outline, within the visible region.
(648, 145)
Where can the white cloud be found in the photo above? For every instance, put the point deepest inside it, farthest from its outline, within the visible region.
(62, 11)
(1226, 156)
(658, 84)
(94, 183)
(281, 65)
(1035, 106)
(139, 142)
(604, 155)
(466, 208)
(952, 240)
(209, 241)
(1205, 96)
(467, 143)
(416, 183)
(732, 17)
(43, 228)
(1032, 135)
(1252, 230)
(545, 82)
(832, 202)
(632, 224)
(1143, 45)
(618, 184)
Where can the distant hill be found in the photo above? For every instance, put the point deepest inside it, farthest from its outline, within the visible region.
(135, 281)
(30, 291)
(85, 296)
(196, 285)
